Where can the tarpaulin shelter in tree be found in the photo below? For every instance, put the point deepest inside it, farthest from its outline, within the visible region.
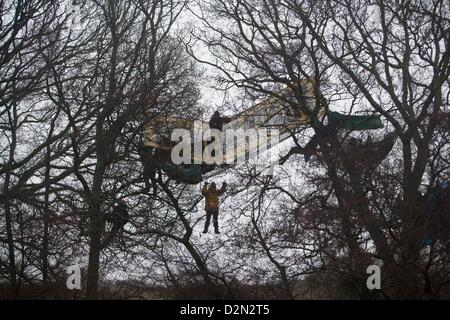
(276, 112)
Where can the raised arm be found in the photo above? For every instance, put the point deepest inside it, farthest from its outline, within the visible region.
(222, 189)
(205, 189)
(226, 119)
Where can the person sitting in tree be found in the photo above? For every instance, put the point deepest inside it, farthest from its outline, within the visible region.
(217, 121)
(119, 217)
(212, 204)
(147, 158)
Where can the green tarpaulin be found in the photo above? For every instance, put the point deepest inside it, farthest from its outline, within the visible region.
(354, 122)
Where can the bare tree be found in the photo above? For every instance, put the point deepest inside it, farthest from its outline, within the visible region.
(391, 57)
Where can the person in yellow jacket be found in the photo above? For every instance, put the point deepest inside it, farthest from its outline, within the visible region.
(212, 204)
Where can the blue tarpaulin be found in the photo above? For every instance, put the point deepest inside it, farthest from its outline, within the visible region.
(436, 214)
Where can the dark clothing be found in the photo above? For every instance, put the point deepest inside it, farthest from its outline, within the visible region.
(147, 159)
(338, 121)
(217, 121)
(119, 216)
(149, 177)
(215, 214)
(328, 131)
(153, 159)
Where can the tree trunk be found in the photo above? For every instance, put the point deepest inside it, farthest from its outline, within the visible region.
(96, 230)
